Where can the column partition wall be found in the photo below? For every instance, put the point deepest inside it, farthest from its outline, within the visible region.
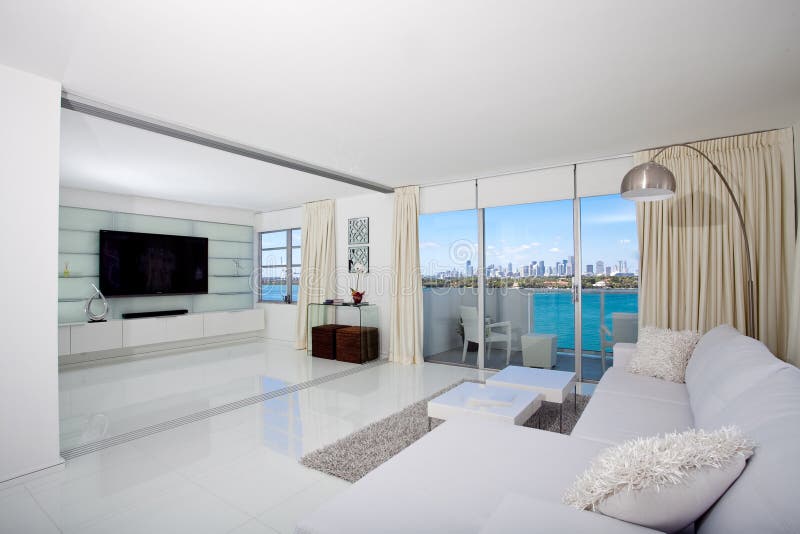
(510, 269)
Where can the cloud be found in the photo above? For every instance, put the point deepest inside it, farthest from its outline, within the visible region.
(624, 241)
(554, 249)
(429, 244)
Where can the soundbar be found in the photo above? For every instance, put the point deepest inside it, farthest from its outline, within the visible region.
(160, 313)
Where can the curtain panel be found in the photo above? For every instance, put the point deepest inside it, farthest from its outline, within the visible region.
(405, 332)
(693, 273)
(318, 271)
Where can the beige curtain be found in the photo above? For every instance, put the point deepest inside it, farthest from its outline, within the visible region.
(318, 271)
(405, 341)
(692, 254)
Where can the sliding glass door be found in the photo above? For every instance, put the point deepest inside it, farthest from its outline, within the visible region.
(448, 247)
(529, 310)
(609, 280)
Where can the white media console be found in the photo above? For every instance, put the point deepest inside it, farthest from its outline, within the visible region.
(79, 338)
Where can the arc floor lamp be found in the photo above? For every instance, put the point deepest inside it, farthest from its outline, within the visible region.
(652, 181)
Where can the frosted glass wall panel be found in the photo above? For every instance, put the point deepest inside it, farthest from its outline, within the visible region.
(230, 267)
(78, 241)
(209, 303)
(127, 222)
(83, 219)
(71, 312)
(228, 284)
(230, 249)
(78, 264)
(230, 263)
(224, 232)
(76, 287)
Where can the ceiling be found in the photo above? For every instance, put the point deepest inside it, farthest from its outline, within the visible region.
(419, 91)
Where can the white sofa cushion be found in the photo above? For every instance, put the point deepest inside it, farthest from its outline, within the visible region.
(725, 363)
(764, 498)
(518, 514)
(617, 380)
(662, 482)
(453, 479)
(612, 418)
(663, 353)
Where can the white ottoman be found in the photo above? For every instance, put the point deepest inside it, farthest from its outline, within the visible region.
(539, 350)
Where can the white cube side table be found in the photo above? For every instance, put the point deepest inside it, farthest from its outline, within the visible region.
(521, 406)
(554, 385)
(539, 350)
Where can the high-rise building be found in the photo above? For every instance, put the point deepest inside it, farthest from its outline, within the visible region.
(510, 269)
(608, 271)
(470, 271)
(589, 268)
(540, 268)
(599, 267)
(526, 270)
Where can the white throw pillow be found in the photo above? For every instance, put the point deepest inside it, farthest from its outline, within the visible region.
(663, 353)
(664, 483)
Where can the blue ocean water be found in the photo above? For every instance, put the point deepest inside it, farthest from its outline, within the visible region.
(276, 293)
(554, 313)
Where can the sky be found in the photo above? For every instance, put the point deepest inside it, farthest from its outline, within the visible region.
(523, 233)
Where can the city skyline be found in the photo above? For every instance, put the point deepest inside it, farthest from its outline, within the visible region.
(540, 232)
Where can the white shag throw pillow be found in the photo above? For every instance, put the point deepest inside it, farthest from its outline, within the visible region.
(664, 483)
(663, 353)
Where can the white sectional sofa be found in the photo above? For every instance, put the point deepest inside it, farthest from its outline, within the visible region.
(476, 476)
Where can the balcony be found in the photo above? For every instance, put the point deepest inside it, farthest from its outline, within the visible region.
(541, 311)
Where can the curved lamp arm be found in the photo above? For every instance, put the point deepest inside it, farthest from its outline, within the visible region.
(750, 318)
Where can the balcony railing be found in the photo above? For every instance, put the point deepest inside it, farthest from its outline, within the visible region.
(548, 311)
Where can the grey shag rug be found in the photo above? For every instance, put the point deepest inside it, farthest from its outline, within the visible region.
(355, 455)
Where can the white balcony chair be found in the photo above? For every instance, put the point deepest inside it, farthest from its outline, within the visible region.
(469, 318)
(625, 329)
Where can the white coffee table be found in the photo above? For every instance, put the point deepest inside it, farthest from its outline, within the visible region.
(480, 400)
(554, 385)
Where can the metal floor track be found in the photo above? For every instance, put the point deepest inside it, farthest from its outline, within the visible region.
(88, 448)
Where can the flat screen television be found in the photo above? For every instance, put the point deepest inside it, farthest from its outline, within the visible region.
(136, 264)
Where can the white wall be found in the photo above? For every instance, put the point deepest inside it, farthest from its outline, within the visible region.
(29, 162)
(280, 320)
(81, 198)
(379, 208)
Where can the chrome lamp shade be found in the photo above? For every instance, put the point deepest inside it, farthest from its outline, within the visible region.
(648, 181)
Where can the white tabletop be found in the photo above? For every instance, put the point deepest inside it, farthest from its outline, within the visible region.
(554, 385)
(499, 404)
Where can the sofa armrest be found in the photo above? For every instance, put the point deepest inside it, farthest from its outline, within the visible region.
(523, 514)
(623, 352)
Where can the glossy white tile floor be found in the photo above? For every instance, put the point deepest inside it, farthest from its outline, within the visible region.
(103, 400)
(235, 472)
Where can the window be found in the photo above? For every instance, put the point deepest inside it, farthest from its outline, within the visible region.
(280, 265)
